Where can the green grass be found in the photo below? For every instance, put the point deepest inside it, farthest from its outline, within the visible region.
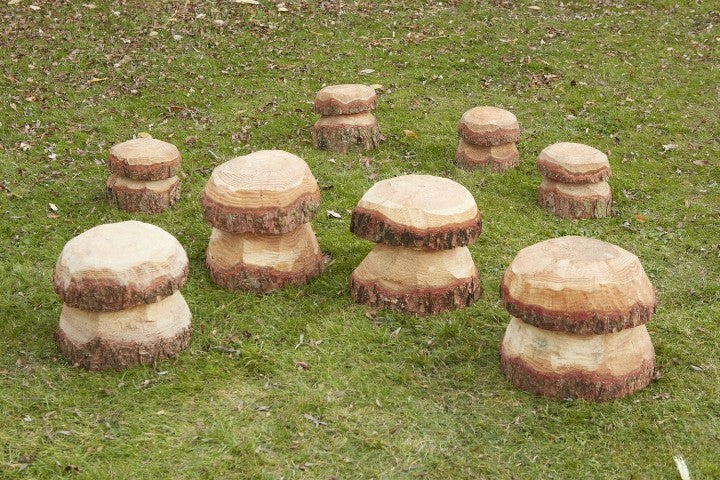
(400, 397)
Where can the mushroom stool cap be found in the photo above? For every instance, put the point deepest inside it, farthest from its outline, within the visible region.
(488, 126)
(578, 285)
(573, 163)
(421, 211)
(116, 266)
(144, 159)
(268, 191)
(345, 99)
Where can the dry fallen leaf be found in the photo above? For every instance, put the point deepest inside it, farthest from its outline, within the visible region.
(410, 134)
(248, 2)
(144, 135)
(53, 207)
(640, 218)
(333, 214)
(366, 71)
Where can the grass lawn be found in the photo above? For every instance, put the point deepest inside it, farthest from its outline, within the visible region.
(392, 396)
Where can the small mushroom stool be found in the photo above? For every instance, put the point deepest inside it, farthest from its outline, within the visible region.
(579, 308)
(260, 206)
(574, 181)
(421, 265)
(347, 122)
(120, 286)
(487, 139)
(143, 175)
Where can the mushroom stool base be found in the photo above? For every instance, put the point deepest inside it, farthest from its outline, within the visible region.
(422, 282)
(573, 201)
(260, 263)
(116, 340)
(496, 158)
(141, 196)
(342, 133)
(564, 365)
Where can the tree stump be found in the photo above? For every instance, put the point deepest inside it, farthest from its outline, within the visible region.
(115, 340)
(565, 365)
(119, 283)
(141, 196)
(260, 206)
(343, 133)
(260, 263)
(346, 123)
(579, 308)
(267, 192)
(143, 178)
(576, 200)
(496, 158)
(421, 265)
(421, 211)
(419, 281)
(575, 181)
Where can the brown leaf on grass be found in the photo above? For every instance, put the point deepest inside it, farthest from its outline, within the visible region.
(314, 420)
(302, 365)
(640, 218)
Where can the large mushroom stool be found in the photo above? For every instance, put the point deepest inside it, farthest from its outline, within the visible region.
(579, 308)
(144, 175)
(260, 206)
(421, 265)
(347, 121)
(574, 181)
(487, 139)
(119, 283)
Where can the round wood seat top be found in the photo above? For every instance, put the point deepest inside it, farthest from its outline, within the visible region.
(573, 163)
(144, 159)
(345, 99)
(489, 126)
(119, 265)
(417, 211)
(578, 285)
(269, 191)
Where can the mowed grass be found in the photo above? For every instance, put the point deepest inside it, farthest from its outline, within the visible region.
(392, 396)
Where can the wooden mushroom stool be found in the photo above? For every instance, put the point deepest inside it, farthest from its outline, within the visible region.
(119, 283)
(487, 139)
(574, 181)
(421, 265)
(144, 175)
(260, 206)
(579, 308)
(347, 122)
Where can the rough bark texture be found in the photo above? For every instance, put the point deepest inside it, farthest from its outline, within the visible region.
(571, 207)
(580, 385)
(488, 138)
(144, 200)
(261, 220)
(104, 295)
(428, 301)
(101, 354)
(148, 173)
(555, 172)
(471, 158)
(261, 279)
(377, 228)
(582, 323)
(333, 106)
(344, 138)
